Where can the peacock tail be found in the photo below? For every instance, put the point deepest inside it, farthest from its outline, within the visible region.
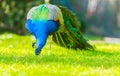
(72, 37)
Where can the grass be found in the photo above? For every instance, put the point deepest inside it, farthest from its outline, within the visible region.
(17, 59)
(92, 37)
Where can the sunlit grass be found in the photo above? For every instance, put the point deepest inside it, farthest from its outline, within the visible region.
(17, 59)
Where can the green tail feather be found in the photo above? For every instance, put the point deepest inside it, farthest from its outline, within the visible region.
(72, 38)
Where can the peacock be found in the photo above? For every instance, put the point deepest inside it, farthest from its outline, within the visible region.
(58, 21)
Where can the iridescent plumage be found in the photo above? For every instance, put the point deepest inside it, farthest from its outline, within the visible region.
(46, 19)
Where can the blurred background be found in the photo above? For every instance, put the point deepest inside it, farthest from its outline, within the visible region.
(97, 17)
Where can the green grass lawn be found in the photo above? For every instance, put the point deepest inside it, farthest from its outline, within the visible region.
(17, 58)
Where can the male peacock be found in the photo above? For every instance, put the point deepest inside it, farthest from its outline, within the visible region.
(46, 19)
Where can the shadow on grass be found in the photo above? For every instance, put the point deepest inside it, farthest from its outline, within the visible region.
(84, 58)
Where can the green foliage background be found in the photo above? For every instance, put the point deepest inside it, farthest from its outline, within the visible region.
(13, 13)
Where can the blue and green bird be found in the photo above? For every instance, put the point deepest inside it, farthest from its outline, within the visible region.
(41, 26)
